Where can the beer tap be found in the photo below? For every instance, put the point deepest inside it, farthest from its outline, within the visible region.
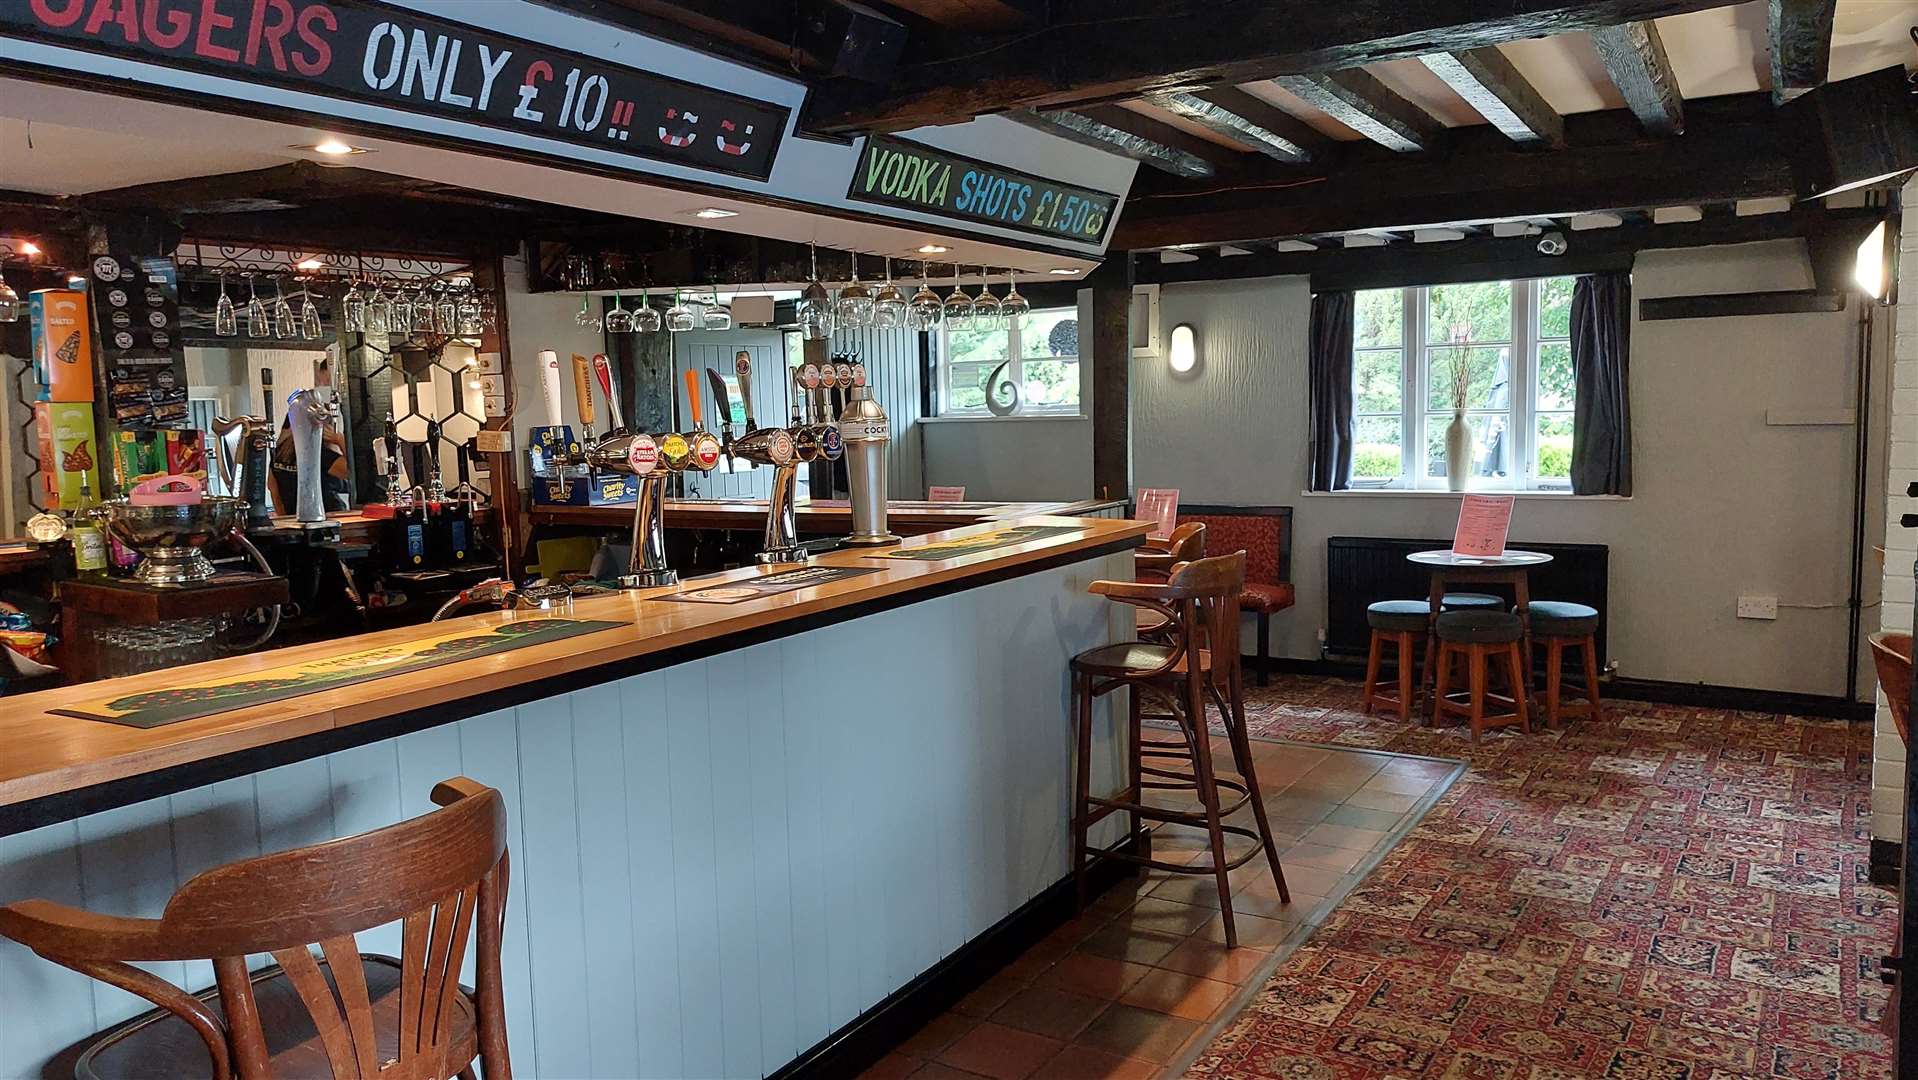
(867, 431)
(639, 455)
(563, 456)
(244, 446)
(435, 482)
(390, 456)
(311, 413)
(583, 390)
(767, 446)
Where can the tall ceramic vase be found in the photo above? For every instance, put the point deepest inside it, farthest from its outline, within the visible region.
(1458, 452)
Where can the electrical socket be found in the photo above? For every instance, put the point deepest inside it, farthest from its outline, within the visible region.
(1758, 607)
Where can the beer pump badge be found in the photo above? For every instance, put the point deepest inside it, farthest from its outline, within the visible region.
(742, 365)
(780, 447)
(642, 455)
(859, 374)
(828, 376)
(831, 443)
(675, 451)
(844, 372)
(810, 376)
(706, 450)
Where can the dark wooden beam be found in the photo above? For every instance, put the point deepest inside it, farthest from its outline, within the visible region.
(1111, 358)
(1106, 50)
(1800, 45)
(1488, 258)
(1233, 125)
(1722, 305)
(1271, 118)
(1097, 133)
(1364, 104)
(1735, 152)
(1494, 88)
(1635, 59)
(971, 14)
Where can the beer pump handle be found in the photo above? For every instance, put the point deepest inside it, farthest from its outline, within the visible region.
(266, 396)
(583, 390)
(802, 402)
(693, 407)
(743, 367)
(603, 368)
(549, 386)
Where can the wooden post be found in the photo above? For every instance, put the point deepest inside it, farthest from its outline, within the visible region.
(1111, 360)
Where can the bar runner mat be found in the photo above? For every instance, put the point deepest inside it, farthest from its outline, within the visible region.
(738, 592)
(158, 708)
(972, 545)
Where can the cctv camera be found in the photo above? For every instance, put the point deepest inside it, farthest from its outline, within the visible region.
(1552, 243)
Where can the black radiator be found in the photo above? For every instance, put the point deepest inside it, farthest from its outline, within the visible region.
(1361, 570)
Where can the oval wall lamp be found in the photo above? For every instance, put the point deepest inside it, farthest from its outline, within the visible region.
(1184, 353)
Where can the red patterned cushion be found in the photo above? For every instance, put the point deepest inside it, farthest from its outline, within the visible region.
(1266, 598)
(1258, 535)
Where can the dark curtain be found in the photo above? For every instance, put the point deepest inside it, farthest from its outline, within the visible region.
(1331, 391)
(1601, 355)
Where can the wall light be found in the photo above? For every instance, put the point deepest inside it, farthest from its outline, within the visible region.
(28, 247)
(933, 249)
(333, 147)
(1873, 269)
(714, 213)
(1185, 348)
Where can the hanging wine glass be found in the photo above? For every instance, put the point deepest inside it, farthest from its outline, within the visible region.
(379, 311)
(1014, 307)
(680, 317)
(309, 314)
(353, 309)
(257, 323)
(488, 314)
(446, 309)
(225, 320)
(815, 306)
(986, 313)
(619, 320)
(924, 310)
(646, 318)
(284, 325)
(585, 317)
(958, 306)
(400, 314)
(888, 304)
(9, 301)
(716, 316)
(854, 308)
(425, 314)
(472, 321)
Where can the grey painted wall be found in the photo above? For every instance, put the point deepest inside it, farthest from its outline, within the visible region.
(1725, 503)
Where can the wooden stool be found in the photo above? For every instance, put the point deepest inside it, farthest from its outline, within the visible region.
(1200, 663)
(1155, 562)
(1471, 601)
(339, 1017)
(1398, 623)
(1559, 626)
(1475, 636)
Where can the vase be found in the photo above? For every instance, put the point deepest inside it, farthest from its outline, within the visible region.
(1458, 453)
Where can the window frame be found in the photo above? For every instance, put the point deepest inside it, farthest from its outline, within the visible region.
(1416, 422)
(1016, 372)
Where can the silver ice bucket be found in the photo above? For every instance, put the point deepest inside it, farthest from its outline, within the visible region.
(171, 539)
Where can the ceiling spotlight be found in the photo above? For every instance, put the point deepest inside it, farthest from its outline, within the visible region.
(1063, 271)
(1552, 243)
(332, 147)
(28, 247)
(933, 249)
(713, 213)
(308, 264)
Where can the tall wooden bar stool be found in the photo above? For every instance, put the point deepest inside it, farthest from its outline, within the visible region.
(1154, 563)
(335, 1016)
(1559, 626)
(1474, 638)
(1399, 623)
(1200, 663)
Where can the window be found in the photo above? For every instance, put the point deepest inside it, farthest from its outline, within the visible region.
(1419, 353)
(1041, 359)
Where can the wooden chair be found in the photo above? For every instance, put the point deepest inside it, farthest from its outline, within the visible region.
(1199, 663)
(337, 1016)
(1264, 533)
(1474, 638)
(1154, 563)
(1891, 655)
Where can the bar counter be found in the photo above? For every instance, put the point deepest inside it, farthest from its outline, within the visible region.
(736, 827)
(819, 517)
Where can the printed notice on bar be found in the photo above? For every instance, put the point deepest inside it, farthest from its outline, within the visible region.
(1161, 507)
(1483, 522)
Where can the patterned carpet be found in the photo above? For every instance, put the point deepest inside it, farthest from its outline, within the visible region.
(1670, 894)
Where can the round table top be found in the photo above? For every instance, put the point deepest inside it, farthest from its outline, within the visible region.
(1446, 558)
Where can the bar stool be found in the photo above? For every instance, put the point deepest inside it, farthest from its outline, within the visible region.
(1559, 626)
(1200, 662)
(1474, 637)
(1154, 563)
(342, 1016)
(1471, 601)
(1398, 623)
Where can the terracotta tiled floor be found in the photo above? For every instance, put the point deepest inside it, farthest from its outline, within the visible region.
(1138, 980)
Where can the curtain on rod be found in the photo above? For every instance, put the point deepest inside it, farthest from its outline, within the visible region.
(1331, 382)
(1601, 363)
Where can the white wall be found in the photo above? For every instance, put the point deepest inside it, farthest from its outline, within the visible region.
(1901, 544)
(1724, 504)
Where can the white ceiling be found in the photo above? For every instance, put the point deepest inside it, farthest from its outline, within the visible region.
(1713, 52)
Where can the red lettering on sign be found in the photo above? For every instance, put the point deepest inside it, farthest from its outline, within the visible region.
(59, 18)
(537, 71)
(259, 28)
(319, 54)
(123, 12)
(179, 25)
(211, 20)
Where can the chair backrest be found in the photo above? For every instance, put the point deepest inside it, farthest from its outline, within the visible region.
(1206, 596)
(1891, 654)
(1187, 542)
(1264, 533)
(439, 875)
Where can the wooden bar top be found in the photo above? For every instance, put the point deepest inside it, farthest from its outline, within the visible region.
(43, 755)
(815, 515)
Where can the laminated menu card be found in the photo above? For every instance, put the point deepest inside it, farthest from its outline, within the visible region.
(1160, 506)
(1483, 522)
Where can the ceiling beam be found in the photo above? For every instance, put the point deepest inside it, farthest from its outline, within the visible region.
(1106, 50)
(971, 14)
(1364, 104)
(1234, 125)
(1635, 59)
(1736, 151)
(1800, 45)
(1087, 131)
(1494, 88)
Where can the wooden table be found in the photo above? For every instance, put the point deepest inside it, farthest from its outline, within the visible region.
(1512, 569)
